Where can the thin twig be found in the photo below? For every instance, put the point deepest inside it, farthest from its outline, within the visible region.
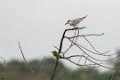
(85, 35)
(79, 59)
(94, 47)
(68, 48)
(35, 73)
(77, 34)
(81, 64)
(97, 53)
(24, 57)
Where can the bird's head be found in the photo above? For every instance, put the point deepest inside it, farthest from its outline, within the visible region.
(67, 22)
(54, 52)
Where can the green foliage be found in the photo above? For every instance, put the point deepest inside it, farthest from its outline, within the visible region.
(18, 70)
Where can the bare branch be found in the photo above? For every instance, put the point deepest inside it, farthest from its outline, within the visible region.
(94, 47)
(79, 59)
(99, 64)
(88, 58)
(24, 57)
(81, 64)
(35, 73)
(60, 48)
(67, 49)
(85, 35)
(79, 46)
(61, 41)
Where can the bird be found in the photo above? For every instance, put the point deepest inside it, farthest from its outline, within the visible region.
(75, 22)
(56, 54)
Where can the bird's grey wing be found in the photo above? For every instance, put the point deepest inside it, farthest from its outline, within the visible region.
(75, 22)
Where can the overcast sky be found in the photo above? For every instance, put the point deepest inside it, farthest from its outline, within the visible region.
(38, 24)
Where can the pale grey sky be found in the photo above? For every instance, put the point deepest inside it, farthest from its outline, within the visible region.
(38, 24)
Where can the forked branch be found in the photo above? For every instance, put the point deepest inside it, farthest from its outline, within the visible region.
(87, 57)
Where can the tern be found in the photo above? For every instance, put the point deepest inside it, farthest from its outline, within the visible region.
(75, 22)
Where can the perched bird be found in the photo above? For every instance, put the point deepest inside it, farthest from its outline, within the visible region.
(75, 22)
(56, 54)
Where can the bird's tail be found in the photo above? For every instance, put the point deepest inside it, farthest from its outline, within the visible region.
(84, 17)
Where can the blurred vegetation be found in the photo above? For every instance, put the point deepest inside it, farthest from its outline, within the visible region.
(18, 70)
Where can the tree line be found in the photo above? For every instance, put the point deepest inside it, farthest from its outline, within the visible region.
(42, 70)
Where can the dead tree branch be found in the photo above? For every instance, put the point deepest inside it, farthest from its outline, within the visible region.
(60, 49)
(24, 57)
(89, 60)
